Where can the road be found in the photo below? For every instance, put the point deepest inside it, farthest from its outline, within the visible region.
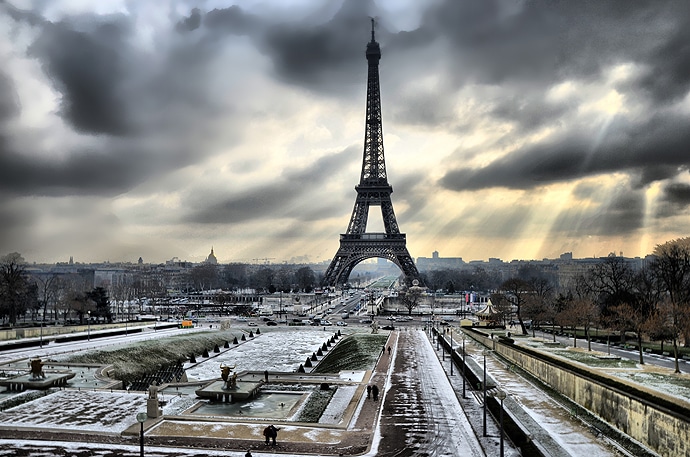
(52, 348)
(632, 354)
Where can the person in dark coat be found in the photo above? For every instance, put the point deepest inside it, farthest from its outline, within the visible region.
(368, 391)
(271, 432)
(375, 391)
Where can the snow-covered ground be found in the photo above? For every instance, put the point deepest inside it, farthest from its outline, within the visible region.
(284, 350)
(279, 350)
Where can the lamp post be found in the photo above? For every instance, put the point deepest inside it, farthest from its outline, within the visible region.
(43, 317)
(484, 391)
(463, 366)
(501, 395)
(88, 325)
(451, 351)
(141, 418)
(443, 354)
(608, 342)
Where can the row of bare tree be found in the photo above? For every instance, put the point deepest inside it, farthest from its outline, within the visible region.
(652, 302)
(53, 297)
(70, 297)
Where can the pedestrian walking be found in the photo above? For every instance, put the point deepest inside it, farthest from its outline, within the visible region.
(248, 454)
(368, 391)
(389, 350)
(375, 392)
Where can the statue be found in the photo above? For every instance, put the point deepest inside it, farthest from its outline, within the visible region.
(152, 404)
(374, 327)
(36, 370)
(230, 382)
(153, 391)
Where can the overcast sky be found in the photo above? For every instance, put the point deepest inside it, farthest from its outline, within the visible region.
(512, 129)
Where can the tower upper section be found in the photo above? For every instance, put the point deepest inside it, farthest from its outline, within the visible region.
(373, 163)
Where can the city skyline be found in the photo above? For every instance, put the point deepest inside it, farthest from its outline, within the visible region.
(512, 130)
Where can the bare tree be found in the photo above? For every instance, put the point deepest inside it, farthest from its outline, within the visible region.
(47, 291)
(306, 279)
(517, 291)
(412, 298)
(613, 281)
(659, 325)
(586, 311)
(672, 267)
(538, 306)
(14, 287)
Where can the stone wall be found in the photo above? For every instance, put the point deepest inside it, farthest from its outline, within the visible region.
(664, 431)
(8, 335)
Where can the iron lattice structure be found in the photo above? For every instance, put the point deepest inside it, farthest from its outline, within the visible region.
(373, 190)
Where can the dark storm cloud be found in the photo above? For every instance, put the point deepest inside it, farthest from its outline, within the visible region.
(529, 111)
(234, 21)
(280, 198)
(497, 41)
(667, 69)
(190, 23)
(83, 173)
(677, 193)
(323, 54)
(151, 113)
(675, 200)
(660, 142)
(88, 67)
(9, 101)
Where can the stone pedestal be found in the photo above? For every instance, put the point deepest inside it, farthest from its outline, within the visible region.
(152, 408)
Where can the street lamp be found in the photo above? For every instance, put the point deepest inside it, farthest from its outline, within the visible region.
(463, 366)
(43, 318)
(451, 351)
(141, 418)
(88, 324)
(484, 390)
(501, 395)
(443, 354)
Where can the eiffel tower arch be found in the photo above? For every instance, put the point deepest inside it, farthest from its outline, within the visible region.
(356, 245)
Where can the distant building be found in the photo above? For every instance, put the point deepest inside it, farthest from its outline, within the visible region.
(211, 259)
(438, 263)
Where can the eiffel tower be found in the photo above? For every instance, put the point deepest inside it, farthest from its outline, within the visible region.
(357, 245)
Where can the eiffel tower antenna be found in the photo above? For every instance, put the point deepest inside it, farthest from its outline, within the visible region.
(373, 189)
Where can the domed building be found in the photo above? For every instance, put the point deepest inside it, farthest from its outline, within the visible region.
(211, 259)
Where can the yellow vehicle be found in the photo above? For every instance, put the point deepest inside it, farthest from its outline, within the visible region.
(187, 323)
